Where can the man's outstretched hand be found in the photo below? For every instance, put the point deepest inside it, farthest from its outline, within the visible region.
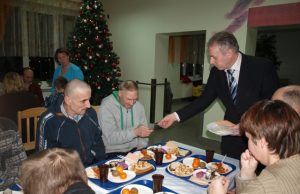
(167, 121)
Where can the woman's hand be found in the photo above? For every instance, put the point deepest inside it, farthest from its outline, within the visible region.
(219, 185)
(248, 165)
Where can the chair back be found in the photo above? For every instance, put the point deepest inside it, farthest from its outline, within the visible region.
(30, 117)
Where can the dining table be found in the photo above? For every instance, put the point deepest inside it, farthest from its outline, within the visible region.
(173, 183)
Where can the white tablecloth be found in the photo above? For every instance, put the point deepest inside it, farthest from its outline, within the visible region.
(176, 184)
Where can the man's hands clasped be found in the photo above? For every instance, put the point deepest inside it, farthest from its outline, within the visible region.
(142, 131)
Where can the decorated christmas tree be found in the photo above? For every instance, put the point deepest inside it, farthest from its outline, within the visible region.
(92, 50)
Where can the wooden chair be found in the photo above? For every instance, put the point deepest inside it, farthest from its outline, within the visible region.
(30, 116)
(96, 108)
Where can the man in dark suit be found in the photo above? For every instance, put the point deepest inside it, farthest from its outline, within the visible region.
(238, 80)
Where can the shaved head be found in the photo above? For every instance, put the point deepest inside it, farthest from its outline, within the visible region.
(290, 95)
(77, 97)
(76, 85)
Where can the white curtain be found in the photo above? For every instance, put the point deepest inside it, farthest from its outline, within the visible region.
(40, 34)
(11, 45)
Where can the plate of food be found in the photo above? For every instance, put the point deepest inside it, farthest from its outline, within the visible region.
(136, 189)
(120, 176)
(144, 154)
(141, 167)
(167, 158)
(153, 148)
(117, 162)
(203, 176)
(219, 167)
(93, 172)
(194, 162)
(172, 148)
(219, 129)
(180, 169)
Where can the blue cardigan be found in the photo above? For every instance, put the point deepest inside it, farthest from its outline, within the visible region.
(72, 73)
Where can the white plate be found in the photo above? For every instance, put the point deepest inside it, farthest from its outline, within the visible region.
(117, 160)
(91, 173)
(17, 192)
(141, 188)
(189, 161)
(164, 192)
(152, 147)
(130, 175)
(12, 191)
(203, 180)
(140, 155)
(165, 148)
(179, 163)
(203, 170)
(220, 130)
(227, 167)
(165, 160)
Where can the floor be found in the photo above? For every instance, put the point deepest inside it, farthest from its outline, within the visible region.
(188, 132)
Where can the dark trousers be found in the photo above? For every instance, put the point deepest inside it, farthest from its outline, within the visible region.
(233, 146)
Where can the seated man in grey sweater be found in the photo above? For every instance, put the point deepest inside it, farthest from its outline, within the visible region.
(123, 121)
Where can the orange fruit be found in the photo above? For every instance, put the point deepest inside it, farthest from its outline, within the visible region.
(125, 191)
(168, 156)
(195, 164)
(123, 175)
(119, 169)
(144, 152)
(196, 160)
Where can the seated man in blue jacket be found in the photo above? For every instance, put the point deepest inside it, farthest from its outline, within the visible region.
(72, 123)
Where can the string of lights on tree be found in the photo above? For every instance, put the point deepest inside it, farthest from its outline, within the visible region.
(92, 50)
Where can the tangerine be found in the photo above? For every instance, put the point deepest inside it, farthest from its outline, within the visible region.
(196, 160)
(168, 156)
(144, 152)
(125, 191)
(123, 175)
(195, 164)
(119, 169)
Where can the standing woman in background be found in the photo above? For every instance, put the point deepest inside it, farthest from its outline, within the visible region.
(65, 68)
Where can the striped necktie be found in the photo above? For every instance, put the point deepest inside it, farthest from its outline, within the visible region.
(232, 84)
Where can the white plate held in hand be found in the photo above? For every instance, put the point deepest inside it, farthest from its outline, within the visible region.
(219, 129)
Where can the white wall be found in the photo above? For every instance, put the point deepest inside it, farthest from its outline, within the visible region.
(139, 29)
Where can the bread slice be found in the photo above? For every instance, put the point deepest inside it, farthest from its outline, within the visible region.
(141, 167)
(131, 158)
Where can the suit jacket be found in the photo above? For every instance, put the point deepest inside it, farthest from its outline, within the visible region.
(257, 80)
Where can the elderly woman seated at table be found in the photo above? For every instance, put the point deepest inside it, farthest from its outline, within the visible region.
(273, 132)
(12, 153)
(54, 171)
(15, 98)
